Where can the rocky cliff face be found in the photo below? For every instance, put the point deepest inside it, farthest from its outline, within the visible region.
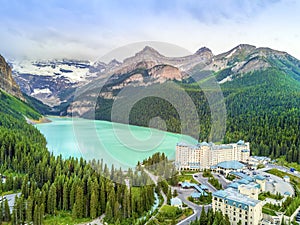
(56, 82)
(7, 83)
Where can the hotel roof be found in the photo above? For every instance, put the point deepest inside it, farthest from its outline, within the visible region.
(234, 198)
(231, 165)
(241, 142)
(176, 201)
(259, 177)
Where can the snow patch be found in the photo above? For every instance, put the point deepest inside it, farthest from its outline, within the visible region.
(230, 54)
(229, 78)
(41, 91)
(72, 71)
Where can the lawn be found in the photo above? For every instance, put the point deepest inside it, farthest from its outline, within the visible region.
(268, 211)
(186, 176)
(264, 195)
(169, 215)
(282, 162)
(63, 218)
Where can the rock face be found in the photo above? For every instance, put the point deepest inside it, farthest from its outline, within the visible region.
(7, 83)
(56, 82)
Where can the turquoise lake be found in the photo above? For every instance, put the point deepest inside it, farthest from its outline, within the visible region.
(118, 144)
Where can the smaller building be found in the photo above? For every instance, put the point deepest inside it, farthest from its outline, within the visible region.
(286, 178)
(229, 166)
(176, 202)
(261, 180)
(204, 187)
(256, 160)
(197, 195)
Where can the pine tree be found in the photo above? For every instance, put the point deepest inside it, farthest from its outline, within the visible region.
(41, 213)
(203, 217)
(102, 198)
(65, 196)
(93, 205)
(51, 203)
(116, 209)
(169, 196)
(1, 210)
(175, 193)
(29, 209)
(108, 211)
(79, 203)
(36, 215)
(7, 217)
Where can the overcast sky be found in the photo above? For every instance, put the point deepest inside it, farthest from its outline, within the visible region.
(90, 28)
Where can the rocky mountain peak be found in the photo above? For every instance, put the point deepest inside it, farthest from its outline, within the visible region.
(148, 50)
(245, 46)
(7, 83)
(202, 50)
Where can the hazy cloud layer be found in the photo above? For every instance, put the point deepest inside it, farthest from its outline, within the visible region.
(89, 29)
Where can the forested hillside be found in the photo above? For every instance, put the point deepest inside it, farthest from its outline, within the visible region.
(50, 185)
(263, 107)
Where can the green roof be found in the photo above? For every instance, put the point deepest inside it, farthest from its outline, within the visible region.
(231, 165)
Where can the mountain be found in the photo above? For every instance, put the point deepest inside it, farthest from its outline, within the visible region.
(12, 101)
(54, 82)
(260, 86)
(7, 83)
(261, 89)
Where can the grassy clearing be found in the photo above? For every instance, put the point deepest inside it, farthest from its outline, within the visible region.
(282, 162)
(263, 196)
(63, 218)
(186, 176)
(172, 215)
(268, 211)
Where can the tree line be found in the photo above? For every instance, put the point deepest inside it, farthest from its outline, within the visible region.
(49, 184)
(263, 107)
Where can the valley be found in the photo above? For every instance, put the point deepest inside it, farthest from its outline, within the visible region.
(96, 161)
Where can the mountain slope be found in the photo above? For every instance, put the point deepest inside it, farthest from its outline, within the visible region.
(264, 108)
(12, 101)
(261, 89)
(7, 83)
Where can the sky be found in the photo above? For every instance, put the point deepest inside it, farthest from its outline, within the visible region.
(88, 29)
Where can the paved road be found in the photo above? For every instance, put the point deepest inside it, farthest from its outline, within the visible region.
(222, 180)
(281, 186)
(183, 194)
(11, 200)
(282, 168)
(203, 180)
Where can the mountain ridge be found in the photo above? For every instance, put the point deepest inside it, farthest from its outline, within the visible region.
(7, 82)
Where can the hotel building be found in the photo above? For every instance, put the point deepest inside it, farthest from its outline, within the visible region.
(239, 206)
(204, 155)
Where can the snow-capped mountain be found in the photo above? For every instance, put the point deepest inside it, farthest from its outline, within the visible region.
(53, 81)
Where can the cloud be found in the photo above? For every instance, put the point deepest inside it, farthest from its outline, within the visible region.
(86, 29)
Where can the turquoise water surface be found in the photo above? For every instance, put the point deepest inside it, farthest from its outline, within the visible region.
(118, 144)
